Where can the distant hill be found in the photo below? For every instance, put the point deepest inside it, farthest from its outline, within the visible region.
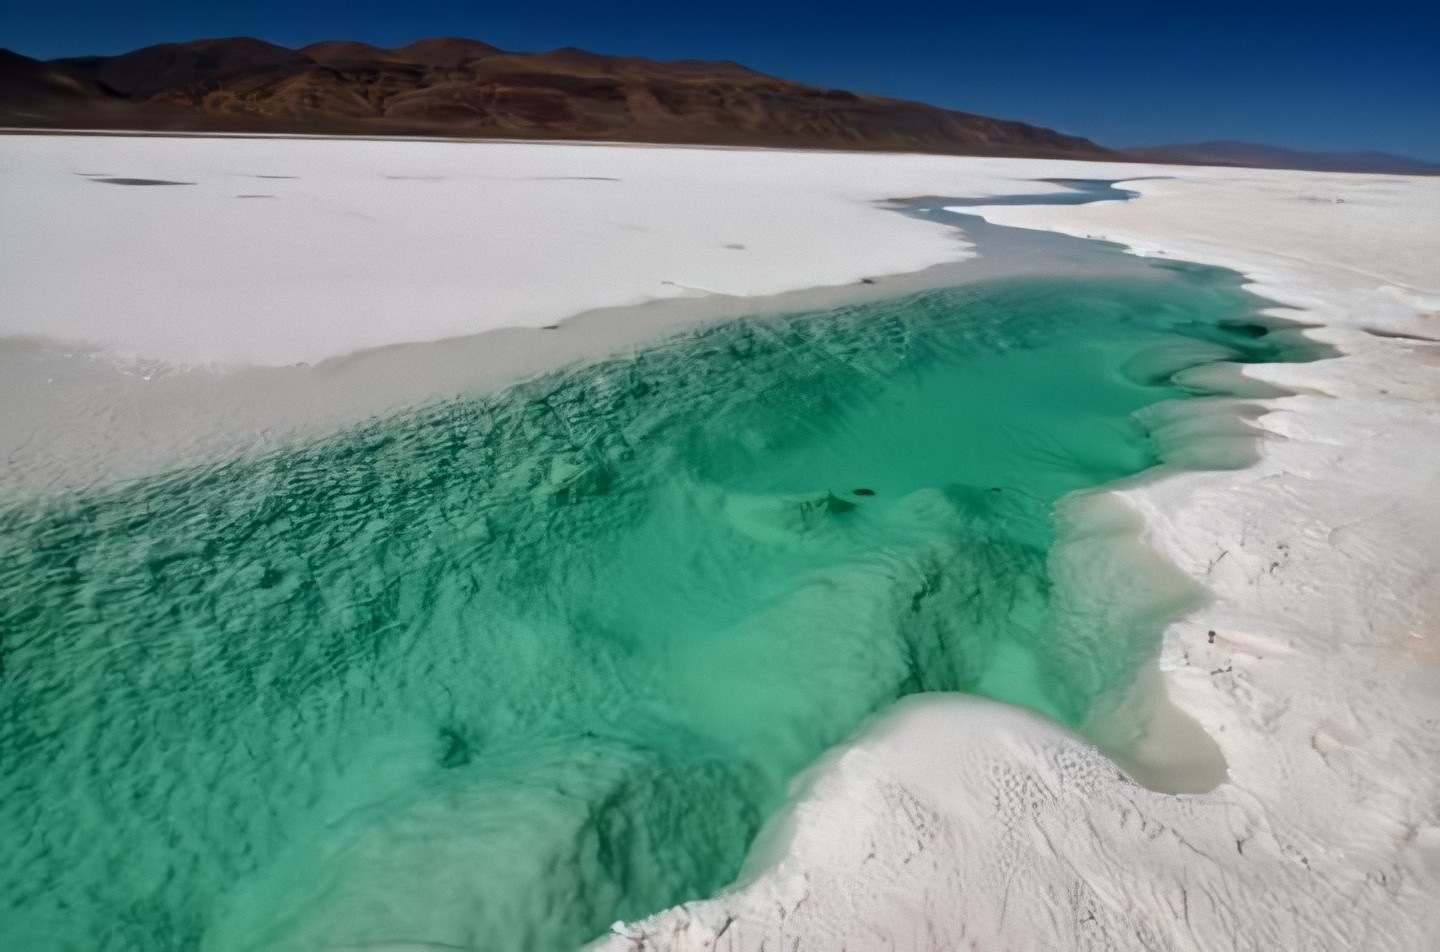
(1250, 155)
(448, 86)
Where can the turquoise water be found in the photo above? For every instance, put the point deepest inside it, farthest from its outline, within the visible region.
(496, 673)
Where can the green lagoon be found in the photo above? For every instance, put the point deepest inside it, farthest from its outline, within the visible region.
(495, 673)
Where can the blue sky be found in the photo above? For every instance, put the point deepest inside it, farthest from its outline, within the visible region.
(1320, 76)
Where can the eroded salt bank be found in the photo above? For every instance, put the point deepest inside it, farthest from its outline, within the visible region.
(961, 824)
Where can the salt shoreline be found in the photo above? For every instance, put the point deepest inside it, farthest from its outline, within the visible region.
(960, 821)
(117, 408)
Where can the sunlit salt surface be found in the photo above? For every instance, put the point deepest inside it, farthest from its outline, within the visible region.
(496, 673)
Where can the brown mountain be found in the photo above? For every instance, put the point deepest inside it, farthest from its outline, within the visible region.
(456, 87)
(31, 90)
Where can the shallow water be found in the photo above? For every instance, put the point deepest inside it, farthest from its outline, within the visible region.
(497, 673)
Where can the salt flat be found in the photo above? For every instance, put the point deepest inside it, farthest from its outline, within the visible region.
(280, 251)
(955, 823)
(276, 251)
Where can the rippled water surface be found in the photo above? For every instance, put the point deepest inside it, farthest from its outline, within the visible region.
(496, 673)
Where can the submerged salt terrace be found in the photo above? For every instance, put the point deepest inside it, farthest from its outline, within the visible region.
(500, 672)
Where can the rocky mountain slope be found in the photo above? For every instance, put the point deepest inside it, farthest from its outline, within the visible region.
(458, 87)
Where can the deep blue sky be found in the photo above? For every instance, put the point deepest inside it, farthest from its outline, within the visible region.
(1318, 76)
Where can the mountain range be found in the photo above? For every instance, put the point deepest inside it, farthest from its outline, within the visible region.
(1273, 157)
(457, 87)
(447, 86)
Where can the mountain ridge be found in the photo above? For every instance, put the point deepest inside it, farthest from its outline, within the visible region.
(450, 86)
(1255, 155)
(453, 86)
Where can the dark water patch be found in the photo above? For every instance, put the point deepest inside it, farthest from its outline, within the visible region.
(1399, 335)
(1245, 328)
(138, 181)
(254, 196)
(501, 671)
